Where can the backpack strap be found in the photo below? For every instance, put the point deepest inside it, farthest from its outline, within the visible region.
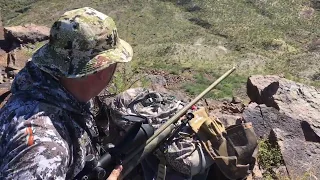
(162, 169)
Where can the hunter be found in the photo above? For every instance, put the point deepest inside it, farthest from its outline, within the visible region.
(46, 127)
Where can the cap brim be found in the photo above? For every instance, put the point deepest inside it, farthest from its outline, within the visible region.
(51, 62)
(123, 53)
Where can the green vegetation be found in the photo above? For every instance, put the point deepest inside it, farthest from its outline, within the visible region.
(13, 8)
(125, 77)
(269, 157)
(225, 89)
(258, 36)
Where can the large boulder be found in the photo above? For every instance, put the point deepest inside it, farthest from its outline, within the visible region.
(290, 111)
(301, 156)
(29, 33)
(295, 100)
(298, 143)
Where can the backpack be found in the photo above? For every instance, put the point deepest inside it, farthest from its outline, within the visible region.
(233, 149)
(204, 141)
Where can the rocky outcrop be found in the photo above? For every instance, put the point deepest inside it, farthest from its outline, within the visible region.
(295, 100)
(29, 33)
(264, 119)
(14, 44)
(300, 155)
(290, 111)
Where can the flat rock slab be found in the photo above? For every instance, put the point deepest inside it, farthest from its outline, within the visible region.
(291, 111)
(300, 146)
(302, 158)
(29, 33)
(264, 119)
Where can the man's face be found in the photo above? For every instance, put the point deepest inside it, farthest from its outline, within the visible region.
(104, 77)
(108, 73)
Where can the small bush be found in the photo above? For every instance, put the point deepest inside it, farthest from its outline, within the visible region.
(269, 157)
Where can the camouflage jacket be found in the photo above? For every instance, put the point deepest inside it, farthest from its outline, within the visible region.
(45, 133)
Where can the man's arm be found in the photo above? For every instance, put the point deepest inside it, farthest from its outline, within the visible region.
(34, 150)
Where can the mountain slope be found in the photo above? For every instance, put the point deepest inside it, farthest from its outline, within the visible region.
(203, 37)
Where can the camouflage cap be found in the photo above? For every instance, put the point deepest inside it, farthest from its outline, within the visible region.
(82, 42)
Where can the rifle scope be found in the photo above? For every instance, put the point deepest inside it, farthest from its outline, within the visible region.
(137, 136)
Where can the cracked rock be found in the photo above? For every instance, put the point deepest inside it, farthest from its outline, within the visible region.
(291, 111)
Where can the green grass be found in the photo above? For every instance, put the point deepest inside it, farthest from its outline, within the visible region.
(269, 157)
(201, 36)
(225, 89)
(126, 77)
(11, 9)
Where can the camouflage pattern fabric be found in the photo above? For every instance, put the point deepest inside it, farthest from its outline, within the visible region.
(82, 42)
(157, 107)
(184, 153)
(40, 135)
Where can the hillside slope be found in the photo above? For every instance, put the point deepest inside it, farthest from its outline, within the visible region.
(204, 38)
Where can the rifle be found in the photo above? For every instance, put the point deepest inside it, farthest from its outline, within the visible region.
(139, 142)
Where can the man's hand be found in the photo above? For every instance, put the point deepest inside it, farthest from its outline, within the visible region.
(115, 173)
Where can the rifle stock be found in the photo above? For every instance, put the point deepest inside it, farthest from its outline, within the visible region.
(134, 158)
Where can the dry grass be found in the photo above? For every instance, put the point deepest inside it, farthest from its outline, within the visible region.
(260, 37)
